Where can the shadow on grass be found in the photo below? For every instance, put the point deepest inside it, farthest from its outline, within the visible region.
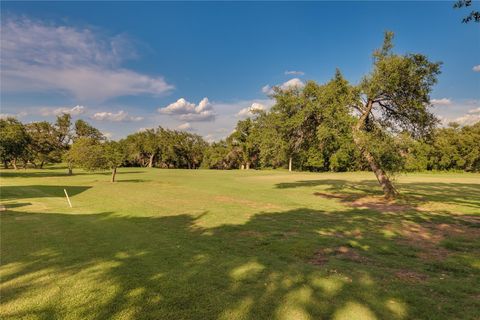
(415, 193)
(49, 173)
(108, 266)
(38, 191)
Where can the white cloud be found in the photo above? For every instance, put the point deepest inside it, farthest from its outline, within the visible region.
(13, 115)
(52, 111)
(188, 111)
(474, 111)
(288, 85)
(210, 138)
(120, 116)
(468, 119)
(294, 73)
(185, 127)
(268, 90)
(249, 111)
(476, 68)
(441, 102)
(37, 56)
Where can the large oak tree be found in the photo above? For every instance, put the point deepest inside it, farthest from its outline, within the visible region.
(393, 98)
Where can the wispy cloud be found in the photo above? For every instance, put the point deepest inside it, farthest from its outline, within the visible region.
(441, 102)
(476, 68)
(120, 116)
(294, 73)
(37, 56)
(185, 127)
(188, 111)
(74, 111)
(13, 115)
(465, 112)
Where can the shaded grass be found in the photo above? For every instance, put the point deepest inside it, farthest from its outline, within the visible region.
(179, 244)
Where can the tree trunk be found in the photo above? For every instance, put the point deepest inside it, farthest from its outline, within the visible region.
(247, 166)
(387, 186)
(242, 167)
(150, 160)
(14, 164)
(41, 164)
(290, 164)
(114, 172)
(5, 164)
(388, 189)
(70, 171)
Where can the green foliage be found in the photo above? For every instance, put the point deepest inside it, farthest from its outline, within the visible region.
(474, 14)
(84, 130)
(165, 148)
(44, 144)
(399, 88)
(14, 140)
(86, 153)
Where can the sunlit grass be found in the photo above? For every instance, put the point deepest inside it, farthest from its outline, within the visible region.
(204, 244)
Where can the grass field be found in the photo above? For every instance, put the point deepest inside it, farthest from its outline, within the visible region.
(198, 244)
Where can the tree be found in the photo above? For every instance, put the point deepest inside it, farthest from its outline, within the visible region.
(84, 130)
(63, 130)
(114, 156)
(474, 14)
(393, 97)
(215, 156)
(242, 141)
(86, 153)
(288, 108)
(14, 141)
(93, 155)
(43, 146)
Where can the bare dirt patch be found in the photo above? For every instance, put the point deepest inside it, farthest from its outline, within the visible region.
(475, 220)
(428, 237)
(322, 256)
(250, 234)
(410, 276)
(377, 203)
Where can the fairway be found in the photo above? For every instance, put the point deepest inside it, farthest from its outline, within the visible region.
(205, 244)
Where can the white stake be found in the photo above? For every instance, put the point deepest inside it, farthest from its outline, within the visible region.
(68, 199)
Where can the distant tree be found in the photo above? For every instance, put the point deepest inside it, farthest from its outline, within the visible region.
(85, 153)
(92, 155)
(243, 144)
(474, 14)
(393, 97)
(114, 155)
(215, 156)
(150, 145)
(14, 141)
(85, 130)
(266, 136)
(43, 145)
(63, 130)
(288, 107)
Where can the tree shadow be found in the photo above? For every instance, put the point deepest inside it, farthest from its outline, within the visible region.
(108, 266)
(39, 191)
(50, 173)
(414, 193)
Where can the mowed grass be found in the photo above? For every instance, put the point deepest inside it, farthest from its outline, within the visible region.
(205, 244)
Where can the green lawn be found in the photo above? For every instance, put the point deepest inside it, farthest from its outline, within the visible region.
(198, 244)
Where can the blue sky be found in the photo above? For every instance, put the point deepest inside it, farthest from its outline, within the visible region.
(124, 66)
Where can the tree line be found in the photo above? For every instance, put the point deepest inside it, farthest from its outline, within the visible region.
(383, 124)
(83, 146)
